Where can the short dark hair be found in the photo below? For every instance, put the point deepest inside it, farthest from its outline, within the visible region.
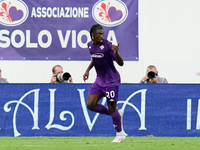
(53, 69)
(151, 66)
(94, 28)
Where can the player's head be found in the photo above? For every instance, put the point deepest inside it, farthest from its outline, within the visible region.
(97, 33)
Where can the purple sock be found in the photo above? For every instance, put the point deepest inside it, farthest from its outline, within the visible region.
(101, 109)
(116, 121)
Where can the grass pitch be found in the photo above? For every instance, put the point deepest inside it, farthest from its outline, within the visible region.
(99, 143)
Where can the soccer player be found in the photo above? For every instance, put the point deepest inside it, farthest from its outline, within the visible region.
(107, 82)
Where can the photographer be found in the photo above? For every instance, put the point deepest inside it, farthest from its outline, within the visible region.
(60, 77)
(2, 80)
(152, 76)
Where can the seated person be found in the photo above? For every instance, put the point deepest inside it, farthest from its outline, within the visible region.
(152, 76)
(58, 70)
(2, 80)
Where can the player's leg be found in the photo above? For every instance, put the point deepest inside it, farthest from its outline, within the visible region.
(95, 94)
(112, 98)
(115, 116)
(92, 104)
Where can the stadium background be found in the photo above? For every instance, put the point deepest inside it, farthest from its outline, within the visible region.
(168, 33)
(168, 37)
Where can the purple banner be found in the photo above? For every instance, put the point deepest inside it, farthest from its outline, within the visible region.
(59, 30)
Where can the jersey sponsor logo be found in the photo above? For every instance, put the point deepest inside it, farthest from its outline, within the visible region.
(110, 12)
(97, 55)
(13, 12)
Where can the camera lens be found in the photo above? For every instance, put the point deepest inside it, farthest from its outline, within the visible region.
(151, 75)
(62, 77)
(66, 76)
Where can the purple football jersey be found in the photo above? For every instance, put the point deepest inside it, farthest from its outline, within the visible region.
(103, 56)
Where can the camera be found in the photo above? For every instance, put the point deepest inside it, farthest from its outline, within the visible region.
(62, 77)
(151, 75)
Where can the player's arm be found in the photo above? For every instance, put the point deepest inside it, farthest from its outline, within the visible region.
(119, 59)
(86, 74)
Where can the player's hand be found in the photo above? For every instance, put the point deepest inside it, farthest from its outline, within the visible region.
(85, 76)
(115, 48)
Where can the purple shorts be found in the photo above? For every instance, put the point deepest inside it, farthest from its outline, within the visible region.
(111, 92)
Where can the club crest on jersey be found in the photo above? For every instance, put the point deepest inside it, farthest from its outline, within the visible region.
(101, 47)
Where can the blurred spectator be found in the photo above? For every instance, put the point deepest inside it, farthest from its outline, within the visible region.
(151, 76)
(2, 80)
(58, 72)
